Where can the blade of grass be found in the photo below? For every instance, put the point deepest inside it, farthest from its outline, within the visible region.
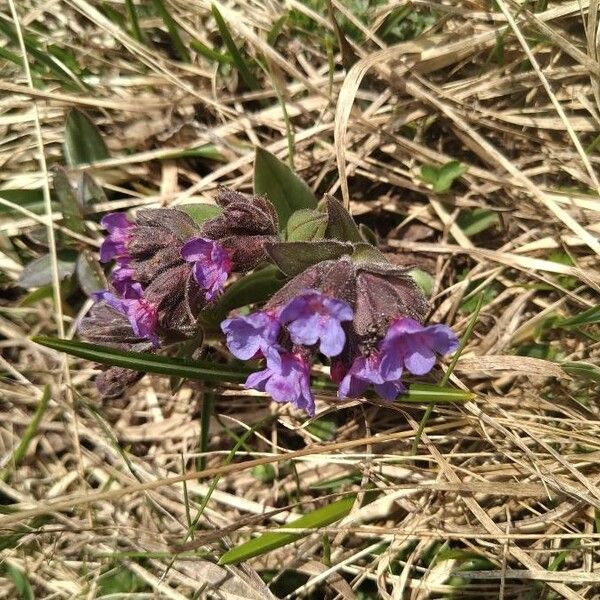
(211, 53)
(446, 378)
(148, 363)
(135, 23)
(238, 60)
(28, 434)
(270, 541)
(171, 25)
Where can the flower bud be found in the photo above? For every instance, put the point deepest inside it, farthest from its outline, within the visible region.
(246, 224)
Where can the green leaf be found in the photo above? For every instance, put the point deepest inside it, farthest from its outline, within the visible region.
(583, 370)
(423, 279)
(341, 225)
(71, 209)
(477, 220)
(306, 224)
(148, 363)
(264, 473)
(428, 392)
(364, 252)
(283, 187)
(368, 235)
(270, 541)
(39, 271)
(89, 191)
(28, 435)
(178, 45)
(322, 428)
(210, 53)
(442, 178)
(587, 317)
(32, 200)
(447, 174)
(240, 64)
(294, 257)
(89, 274)
(201, 212)
(83, 141)
(20, 581)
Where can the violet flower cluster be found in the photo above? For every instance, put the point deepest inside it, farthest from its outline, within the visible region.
(362, 317)
(290, 336)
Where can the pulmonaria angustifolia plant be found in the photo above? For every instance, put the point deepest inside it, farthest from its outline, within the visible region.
(340, 303)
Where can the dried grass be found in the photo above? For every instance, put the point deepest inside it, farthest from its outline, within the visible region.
(503, 498)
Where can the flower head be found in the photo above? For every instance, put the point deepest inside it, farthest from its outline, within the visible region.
(314, 317)
(246, 224)
(410, 345)
(211, 265)
(286, 379)
(250, 335)
(115, 244)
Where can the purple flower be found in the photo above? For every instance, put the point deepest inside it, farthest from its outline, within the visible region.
(251, 335)
(141, 314)
(212, 265)
(366, 370)
(286, 379)
(122, 277)
(314, 316)
(115, 244)
(408, 344)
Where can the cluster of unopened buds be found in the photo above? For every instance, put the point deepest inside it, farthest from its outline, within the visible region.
(364, 317)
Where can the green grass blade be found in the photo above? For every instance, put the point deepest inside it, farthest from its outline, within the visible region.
(587, 317)
(28, 434)
(180, 47)
(136, 30)
(238, 60)
(148, 363)
(270, 541)
(210, 53)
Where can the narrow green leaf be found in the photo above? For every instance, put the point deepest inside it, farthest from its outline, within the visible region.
(28, 435)
(39, 271)
(587, 317)
(341, 225)
(447, 174)
(83, 141)
(89, 274)
(306, 224)
(583, 370)
(178, 45)
(201, 212)
(148, 363)
(285, 189)
(429, 392)
(477, 220)
(32, 200)
(135, 23)
(294, 257)
(270, 541)
(89, 191)
(71, 209)
(241, 64)
(20, 581)
(210, 53)
(368, 235)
